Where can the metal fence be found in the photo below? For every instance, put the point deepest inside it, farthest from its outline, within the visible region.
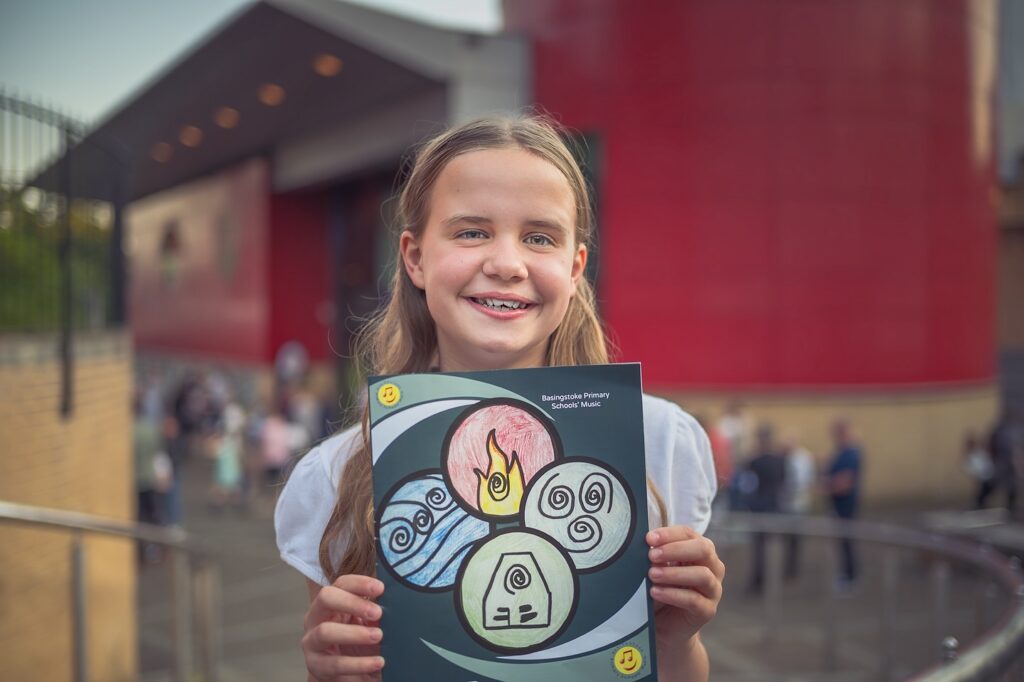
(194, 589)
(995, 653)
(61, 256)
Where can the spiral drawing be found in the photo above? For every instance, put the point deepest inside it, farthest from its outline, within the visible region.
(424, 535)
(584, 505)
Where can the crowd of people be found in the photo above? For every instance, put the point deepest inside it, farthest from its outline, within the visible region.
(200, 421)
(764, 472)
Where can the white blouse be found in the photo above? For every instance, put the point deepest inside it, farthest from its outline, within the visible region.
(679, 465)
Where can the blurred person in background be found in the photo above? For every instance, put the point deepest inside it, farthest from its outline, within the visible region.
(153, 396)
(279, 440)
(227, 462)
(303, 408)
(767, 471)
(977, 464)
(1002, 447)
(188, 410)
(842, 483)
(735, 428)
(797, 493)
(722, 454)
(152, 473)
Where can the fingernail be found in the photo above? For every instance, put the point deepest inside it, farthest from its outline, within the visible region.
(380, 662)
(656, 554)
(376, 634)
(656, 573)
(653, 538)
(373, 612)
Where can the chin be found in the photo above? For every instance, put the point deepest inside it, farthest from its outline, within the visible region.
(501, 353)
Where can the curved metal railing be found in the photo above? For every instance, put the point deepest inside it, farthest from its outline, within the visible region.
(990, 655)
(195, 584)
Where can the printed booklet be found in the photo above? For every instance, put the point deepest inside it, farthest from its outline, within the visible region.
(511, 510)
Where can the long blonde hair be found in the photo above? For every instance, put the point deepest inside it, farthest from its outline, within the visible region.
(401, 337)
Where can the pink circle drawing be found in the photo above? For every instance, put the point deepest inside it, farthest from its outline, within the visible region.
(493, 450)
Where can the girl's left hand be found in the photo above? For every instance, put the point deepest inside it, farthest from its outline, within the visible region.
(687, 575)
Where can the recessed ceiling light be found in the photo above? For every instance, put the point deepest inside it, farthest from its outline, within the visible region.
(327, 65)
(226, 117)
(161, 152)
(271, 94)
(190, 136)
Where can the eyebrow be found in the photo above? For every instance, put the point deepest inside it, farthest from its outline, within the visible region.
(542, 223)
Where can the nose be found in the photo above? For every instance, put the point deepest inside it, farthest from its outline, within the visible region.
(505, 260)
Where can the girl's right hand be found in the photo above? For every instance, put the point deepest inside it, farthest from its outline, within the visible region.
(342, 634)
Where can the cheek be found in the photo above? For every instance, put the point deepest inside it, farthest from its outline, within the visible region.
(555, 280)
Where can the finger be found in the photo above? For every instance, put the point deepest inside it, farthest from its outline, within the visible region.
(325, 667)
(699, 578)
(696, 551)
(700, 607)
(325, 635)
(363, 585)
(332, 601)
(660, 536)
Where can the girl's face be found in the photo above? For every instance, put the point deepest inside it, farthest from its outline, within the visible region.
(497, 258)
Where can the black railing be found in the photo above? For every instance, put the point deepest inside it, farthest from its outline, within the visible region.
(61, 255)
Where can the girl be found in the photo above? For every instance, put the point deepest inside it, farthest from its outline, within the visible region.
(495, 218)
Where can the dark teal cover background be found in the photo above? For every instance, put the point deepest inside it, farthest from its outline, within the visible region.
(612, 433)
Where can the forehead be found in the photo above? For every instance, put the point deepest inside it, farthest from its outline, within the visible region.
(502, 180)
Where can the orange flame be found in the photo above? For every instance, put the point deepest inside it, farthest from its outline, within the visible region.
(500, 490)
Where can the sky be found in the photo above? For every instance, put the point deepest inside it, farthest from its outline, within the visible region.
(85, 57)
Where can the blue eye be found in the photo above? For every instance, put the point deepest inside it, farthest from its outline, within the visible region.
(472, 234)
(539, 240)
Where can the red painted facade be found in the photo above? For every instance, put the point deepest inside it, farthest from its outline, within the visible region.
(792, 194)
(198, 276)
(299, 264)
(223, 269)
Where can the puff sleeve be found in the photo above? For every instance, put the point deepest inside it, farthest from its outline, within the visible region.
(306, 503)
(679, 463)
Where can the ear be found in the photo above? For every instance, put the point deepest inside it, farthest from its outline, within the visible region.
(412, 257)
(579, 263)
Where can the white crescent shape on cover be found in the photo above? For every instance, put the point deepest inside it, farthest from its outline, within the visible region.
(394, 425)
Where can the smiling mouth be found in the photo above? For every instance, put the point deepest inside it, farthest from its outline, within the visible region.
(500, 304)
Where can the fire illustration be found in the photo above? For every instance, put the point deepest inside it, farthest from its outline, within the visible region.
(501, 489)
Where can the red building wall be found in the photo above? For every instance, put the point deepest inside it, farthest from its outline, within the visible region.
(301, 294)
(794, 193)
(203, 291)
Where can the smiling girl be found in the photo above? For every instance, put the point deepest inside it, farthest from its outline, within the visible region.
(494, 223)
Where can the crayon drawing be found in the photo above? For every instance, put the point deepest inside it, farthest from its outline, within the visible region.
(424, 535)
(516, 592)
(582, 504)
(493, 450)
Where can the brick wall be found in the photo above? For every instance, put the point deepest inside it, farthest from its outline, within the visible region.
(82, 463)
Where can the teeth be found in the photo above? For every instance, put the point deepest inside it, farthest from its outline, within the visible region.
(500, 304)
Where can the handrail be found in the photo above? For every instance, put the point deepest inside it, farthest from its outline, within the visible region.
(60, 518)
(194, 574)
(985, 657)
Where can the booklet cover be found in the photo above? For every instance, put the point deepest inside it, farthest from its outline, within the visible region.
(511, 510)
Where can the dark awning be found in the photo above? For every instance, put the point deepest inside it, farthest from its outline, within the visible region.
(385, 61)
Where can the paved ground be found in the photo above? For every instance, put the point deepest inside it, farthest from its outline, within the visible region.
(264, 601)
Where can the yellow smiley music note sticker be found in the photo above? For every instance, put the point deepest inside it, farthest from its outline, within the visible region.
(628, 660)
(388, 395)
